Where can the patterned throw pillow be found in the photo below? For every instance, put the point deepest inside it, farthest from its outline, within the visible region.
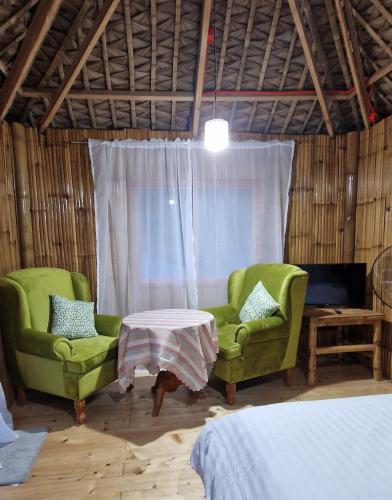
(258, 305)
(73, 319)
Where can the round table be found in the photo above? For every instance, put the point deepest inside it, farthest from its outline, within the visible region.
(179, 344)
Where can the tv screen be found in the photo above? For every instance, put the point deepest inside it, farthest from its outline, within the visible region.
(335, 284)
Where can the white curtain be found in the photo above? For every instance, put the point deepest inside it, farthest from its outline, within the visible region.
(173, 220)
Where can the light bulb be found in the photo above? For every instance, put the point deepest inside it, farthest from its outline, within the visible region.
(216, 135)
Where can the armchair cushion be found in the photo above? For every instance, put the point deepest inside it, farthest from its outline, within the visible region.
(43, 344)
(88, 353)
(107, 325)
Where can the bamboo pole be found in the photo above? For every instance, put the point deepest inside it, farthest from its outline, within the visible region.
(23, 195)
(350, 196)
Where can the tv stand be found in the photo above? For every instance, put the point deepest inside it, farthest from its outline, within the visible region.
(319, 317)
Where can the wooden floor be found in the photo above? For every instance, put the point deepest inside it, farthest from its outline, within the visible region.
(124, 453)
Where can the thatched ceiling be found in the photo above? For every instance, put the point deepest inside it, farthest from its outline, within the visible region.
(153, 46)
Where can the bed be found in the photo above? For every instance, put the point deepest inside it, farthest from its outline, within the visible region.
(339, 449)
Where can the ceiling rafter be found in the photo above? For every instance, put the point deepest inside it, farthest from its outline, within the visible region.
(376, 37)
(68, 101)
(56, 60)
(327, 74)
(225, 37)
(282, 82)
(311, 65)
(131, 59)
(13, 42)
(266, 58)
(201, 64)
(245, 48)
(18, 15)
(222, 96)
(106, 67)
(293, 105)
(153, 57)
(38, 28)
(352, 52)
(342, 60)
(384, 11)
(86, 83)
(88, 44)
(176, 45)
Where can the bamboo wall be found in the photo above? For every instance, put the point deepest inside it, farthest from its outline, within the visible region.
(321, 219)
(62, 204)
(9, 247)
(374, 214)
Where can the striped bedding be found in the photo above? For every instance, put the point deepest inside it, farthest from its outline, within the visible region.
(339, 449)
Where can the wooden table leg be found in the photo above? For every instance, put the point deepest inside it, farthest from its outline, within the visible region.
(312, 346)
(377, 350)
(165, 382)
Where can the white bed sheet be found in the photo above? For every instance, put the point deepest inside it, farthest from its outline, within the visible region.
(339, 449)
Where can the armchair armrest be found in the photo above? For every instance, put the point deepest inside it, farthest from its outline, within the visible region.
(223, 314)
(262, 329)
(107, 325)
(46, 345)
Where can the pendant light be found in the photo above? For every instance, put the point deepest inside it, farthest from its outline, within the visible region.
(216, 130)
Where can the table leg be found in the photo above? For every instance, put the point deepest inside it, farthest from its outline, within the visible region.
(377, 350)
(312, 346)
(165, 382)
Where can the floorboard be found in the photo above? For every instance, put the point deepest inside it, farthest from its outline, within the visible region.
(124, 453)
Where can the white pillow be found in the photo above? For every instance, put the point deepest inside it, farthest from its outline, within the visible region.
(258, 305)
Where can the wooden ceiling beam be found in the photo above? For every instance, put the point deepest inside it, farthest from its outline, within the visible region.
(131, 59)
(201, 64)
(176, 45)
(19, 14)
(384, 11)
(293, 105)
(106, 67)
(57, 59)
(266, 58)
(352, 52)
(342, 59)
(222, 96)
(86, 83)
(311, 65)
(244, 54)
(36, 33)
(283, 77)
(321, 55)
(225, 37)
(153, 58)
(376, 37)
(88, 44)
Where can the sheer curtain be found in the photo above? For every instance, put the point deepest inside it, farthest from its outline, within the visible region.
(173, 220)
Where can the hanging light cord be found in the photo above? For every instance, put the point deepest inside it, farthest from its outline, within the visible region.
(215, 68)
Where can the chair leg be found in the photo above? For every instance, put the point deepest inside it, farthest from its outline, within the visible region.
(80, 411)
(288, 376)
(230, 393)
(20, 396)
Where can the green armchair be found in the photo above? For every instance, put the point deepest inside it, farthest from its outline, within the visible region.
(266, 345)
(39, 360)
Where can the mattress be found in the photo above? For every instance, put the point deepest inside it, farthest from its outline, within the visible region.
(339, 449)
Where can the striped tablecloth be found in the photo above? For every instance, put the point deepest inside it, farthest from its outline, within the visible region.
(182, 341)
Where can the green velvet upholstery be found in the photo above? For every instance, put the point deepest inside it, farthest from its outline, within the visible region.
(40, 360)
(266, 345)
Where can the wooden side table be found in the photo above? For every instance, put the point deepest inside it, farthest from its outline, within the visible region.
(314, 318)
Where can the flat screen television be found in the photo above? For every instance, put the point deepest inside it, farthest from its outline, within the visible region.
(335, 284)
